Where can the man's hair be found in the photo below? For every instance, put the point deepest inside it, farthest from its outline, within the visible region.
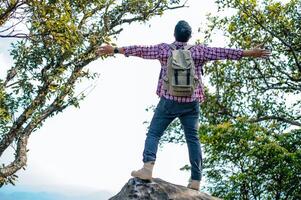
(182, 31)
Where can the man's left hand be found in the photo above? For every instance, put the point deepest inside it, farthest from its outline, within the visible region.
(260, 52)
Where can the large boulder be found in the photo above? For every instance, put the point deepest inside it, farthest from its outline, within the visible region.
(158, 189)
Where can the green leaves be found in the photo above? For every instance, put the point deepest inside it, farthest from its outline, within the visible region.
(251, 161)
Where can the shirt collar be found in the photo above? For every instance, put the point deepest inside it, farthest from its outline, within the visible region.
(177, 43)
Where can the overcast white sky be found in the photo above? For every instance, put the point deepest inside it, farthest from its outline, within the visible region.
(98, 145)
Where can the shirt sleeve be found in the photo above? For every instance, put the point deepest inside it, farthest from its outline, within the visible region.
(146, 52)
(216, 53)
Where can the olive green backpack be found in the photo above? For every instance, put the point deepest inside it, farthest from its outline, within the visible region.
(181, 79)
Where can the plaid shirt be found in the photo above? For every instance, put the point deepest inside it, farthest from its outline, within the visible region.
(200, 54)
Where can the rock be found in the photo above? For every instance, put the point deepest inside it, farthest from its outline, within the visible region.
(158, 189)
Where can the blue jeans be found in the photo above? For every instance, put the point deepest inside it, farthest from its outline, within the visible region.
(188, 113)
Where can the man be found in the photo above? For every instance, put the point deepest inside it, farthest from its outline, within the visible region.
(170, 107)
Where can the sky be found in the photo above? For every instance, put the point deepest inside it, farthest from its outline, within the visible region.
(95, 148)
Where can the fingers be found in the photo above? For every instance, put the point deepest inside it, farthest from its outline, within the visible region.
(261, 51)
(264, 53)
(104, 50)
(101, 51)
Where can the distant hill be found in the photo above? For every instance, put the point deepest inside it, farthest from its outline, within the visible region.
(30, 196)
(52, 196)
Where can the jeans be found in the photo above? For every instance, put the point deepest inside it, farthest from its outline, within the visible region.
(188, 113)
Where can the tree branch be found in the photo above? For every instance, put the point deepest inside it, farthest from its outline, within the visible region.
(20, 159)
(88, 15)
(18, 35)
(9, 137)
(275, 87)
(119, 19)
(278, 118)
(260, 72)
(11, 10)
(12, 84)
(56, 104)
(283, 72)
(176, 7)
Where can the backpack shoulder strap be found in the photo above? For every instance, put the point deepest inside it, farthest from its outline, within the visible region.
(173, 47)
(188, 47)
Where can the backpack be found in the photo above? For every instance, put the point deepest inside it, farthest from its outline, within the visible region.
(181, 79)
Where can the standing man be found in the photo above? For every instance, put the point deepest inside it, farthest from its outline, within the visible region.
(172, 106)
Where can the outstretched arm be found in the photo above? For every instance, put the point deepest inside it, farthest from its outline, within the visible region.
(147, 52)
(216, 53)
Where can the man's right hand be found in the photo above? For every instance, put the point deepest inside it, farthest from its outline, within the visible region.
(105, 50)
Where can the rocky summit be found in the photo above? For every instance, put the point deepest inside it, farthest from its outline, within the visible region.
(158, 189)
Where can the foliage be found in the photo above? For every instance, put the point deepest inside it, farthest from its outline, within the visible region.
(246, 161)
(250, 121)
(50, 59)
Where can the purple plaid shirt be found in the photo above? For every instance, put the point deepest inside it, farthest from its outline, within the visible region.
(200, 54)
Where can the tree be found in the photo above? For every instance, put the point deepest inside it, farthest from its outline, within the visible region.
(50, 59)
(250, 121)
